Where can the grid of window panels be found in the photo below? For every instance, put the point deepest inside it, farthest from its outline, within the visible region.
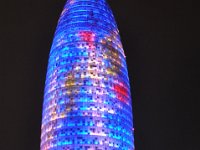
(87, 99)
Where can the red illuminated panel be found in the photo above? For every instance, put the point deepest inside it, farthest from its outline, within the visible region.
(87, 36)
(122, 91)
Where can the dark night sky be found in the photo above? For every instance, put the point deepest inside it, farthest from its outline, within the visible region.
(160, 39)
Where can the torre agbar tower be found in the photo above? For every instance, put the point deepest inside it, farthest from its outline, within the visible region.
(87, 99)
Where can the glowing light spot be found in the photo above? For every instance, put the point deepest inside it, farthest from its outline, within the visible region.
(87, 36)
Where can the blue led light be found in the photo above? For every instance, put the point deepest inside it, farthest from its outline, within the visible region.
(87, 100)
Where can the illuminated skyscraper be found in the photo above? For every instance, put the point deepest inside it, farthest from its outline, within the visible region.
(87, 99)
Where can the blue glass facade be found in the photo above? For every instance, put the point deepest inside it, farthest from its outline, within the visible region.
(87, 99)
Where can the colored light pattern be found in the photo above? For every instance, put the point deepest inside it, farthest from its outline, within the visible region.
(87, 99)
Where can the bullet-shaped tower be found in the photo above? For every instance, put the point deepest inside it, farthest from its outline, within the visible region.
(87, 99)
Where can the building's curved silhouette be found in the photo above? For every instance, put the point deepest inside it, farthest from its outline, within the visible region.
(87, 99)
